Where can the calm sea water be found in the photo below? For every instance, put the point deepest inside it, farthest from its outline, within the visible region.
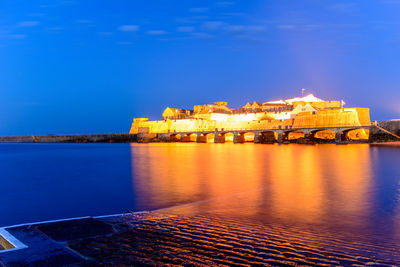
(331, 188)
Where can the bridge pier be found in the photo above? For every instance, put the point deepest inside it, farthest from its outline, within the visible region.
(219, 138)
(309, 136)
(201, 138)
(338, 137)
(280, 137)
(186, 138)
(238, 138)
(267, 137)
(172, 138)
(257, 138)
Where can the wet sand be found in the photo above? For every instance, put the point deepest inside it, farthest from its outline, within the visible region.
(160, 239)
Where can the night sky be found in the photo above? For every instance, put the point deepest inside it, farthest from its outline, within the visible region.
(90, 66)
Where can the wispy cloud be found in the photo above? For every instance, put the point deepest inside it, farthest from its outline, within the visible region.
(37, 15)
(67, 2)
(105, 34)
(185, 29)
(286, 27)
(128, 28)
(199, 9)
(156, 32)
(236, 29)
(312, 27)
(191, 20)
(124, 43)
(28, 23)
(55, 28)
(83, 21)
(349, 7)
(203, 36)
(213, 25)
(58, 3)
(4, 32)
(200, 17)
(232, 14)
(245, 29)
(391, 1)
(250, 40)
(17, 36)
(256, 29)
(248, 33)
(225, 3)
(184, 20)
(302, 27)
(383, 25)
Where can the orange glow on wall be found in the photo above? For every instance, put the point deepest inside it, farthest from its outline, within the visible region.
(297, 113)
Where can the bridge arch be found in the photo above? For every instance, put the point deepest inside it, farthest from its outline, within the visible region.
(324, 134)
(249, 136)
(356, 134)
(209, 137)
(268, 137)
(229, 137)
(295, 134)
(187, 137)
(175, 137)
(192, 137)
(292, 134)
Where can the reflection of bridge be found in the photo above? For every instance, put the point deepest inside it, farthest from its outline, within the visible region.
(260, 135)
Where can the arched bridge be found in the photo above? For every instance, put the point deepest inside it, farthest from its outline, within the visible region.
(260, 135)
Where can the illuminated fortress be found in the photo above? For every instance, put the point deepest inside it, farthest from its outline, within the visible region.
(300, 117)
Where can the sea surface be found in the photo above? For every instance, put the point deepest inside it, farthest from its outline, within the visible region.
(350, 191)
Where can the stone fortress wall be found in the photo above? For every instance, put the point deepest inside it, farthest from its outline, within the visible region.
(296, 113)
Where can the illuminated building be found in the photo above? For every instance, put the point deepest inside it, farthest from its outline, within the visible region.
(306, 116)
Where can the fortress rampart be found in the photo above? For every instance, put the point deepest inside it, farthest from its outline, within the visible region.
(301, 116)
(327, 118)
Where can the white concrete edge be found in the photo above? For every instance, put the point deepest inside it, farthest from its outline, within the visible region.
(19, 245)
(121, 214)
(44, 222)
(12, 240)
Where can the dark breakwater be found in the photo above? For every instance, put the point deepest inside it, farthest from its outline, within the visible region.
(79, 138)
(376, 135)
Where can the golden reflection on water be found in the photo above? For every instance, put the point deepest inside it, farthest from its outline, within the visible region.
(296, 182)
(290, 182)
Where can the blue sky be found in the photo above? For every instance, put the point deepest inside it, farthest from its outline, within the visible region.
(90, 66)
